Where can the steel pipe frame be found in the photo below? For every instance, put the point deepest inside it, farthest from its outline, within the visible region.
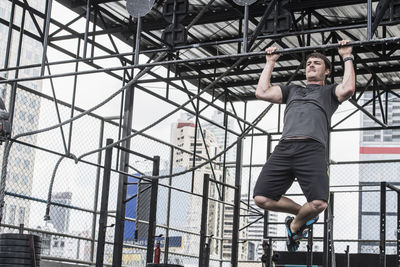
(236, 210)
(57, 24)
(78, 61)
(83, 161)
(123, 179)
(197, 45)
(46, 28)
(199, 195)
(153, 211)
(96, 193)
(203, 224)
(177, 48)
(211, 58)
(106, 120)
(266, 37)
(257, 71)
(9, 36)
(188, 110)
(375, 88)
(230, 2)
(104, 206)
(207, 102)
(383, 213)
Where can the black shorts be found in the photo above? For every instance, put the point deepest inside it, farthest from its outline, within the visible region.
(303, 159)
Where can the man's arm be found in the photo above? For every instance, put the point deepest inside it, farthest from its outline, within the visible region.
(265, 90)
(348, 86)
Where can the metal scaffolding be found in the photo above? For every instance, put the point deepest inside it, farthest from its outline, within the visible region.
(222, 57)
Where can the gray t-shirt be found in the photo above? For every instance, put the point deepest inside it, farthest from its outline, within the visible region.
(309, 110)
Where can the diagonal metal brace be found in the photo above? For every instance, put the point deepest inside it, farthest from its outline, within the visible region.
(257, 31)
(367, 113)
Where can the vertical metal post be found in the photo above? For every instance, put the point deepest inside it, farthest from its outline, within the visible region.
(250, 167)
(225, 123)
(168, 76)
(9, 36)
(123, 179)
(171, 170)
(94, 30)
(266, 213)
(240, 30)
(267, 242)
(204, 215)
(153, 210)
(328, 233)
(236, 208)
(104, 206)
(369, 20)
(14, 85)
(12, 100)
(309, 255)
(85, 39)
(46, 35)
(96, 192)
(325, 240)
(331, 248)
(138, 35)
(382, 245)
(246, 27)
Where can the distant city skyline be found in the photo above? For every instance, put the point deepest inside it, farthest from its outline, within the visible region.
(25, 115)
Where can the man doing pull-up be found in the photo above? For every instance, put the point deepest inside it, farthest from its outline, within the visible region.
(301, 151)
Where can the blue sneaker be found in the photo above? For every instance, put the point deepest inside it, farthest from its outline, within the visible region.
(292, 241)
(306, 227)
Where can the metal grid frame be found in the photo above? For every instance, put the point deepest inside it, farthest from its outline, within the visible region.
(225, 66)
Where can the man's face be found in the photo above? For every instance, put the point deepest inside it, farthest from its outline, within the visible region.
(315, 70)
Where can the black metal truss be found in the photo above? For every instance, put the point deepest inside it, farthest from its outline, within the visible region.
(375, 62)
(242, 80)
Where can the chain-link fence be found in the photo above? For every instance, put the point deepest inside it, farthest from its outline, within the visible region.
(72, 231)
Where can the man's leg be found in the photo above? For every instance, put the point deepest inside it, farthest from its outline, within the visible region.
(310, 168)
(284, 204)
(307, 212)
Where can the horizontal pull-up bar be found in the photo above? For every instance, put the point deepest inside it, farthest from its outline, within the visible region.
(212, 58)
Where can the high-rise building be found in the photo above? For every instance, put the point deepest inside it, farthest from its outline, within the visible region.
(183, 136)
(378, 145)
(26, 111)
(224, 138)
(59, 215)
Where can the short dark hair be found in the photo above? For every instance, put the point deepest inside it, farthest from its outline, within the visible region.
(327, 62)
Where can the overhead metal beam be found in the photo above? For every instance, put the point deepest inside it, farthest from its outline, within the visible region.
(300, 77)
(242, 56)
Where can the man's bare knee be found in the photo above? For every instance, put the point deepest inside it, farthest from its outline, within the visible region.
(318, 205)
(264, 202)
